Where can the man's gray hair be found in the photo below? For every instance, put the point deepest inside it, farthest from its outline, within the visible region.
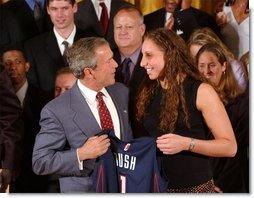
(131, 8)
(81, 54)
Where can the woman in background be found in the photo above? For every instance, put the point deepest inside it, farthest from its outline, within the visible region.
(204, 36)
(230, 175)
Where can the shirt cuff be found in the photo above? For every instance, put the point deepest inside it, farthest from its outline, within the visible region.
(80, 163)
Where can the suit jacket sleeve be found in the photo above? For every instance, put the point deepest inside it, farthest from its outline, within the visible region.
(10, 123)
(32, 73)
(50, 155)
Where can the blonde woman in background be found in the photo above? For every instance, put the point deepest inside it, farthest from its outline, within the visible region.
(230, 175)
(204, 36)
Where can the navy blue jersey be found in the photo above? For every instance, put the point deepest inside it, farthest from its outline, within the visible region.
(129, 167)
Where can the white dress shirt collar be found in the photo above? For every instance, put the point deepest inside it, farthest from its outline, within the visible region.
(134, 57)
(21, 93)
(97, 7)
(60, 39)
(168, 15)
(89, 94)
(90, 97)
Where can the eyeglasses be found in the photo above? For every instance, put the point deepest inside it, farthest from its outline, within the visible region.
(127, 27)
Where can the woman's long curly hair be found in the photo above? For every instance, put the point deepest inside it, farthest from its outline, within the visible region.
(178, 64)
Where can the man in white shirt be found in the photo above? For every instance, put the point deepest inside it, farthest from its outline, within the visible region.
(181, 17)
(32, 101)
(46, 52)
(68, 142)
(90, 12)
(17, 68)
(162, 17)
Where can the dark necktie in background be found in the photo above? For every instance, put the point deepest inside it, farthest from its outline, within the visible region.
(104, 17)
(66, 46)
(38, 15)
(126, 74)
(105, 117)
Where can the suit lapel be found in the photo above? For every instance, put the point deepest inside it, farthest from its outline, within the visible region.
(94, 17)
(138, 70)
(83, 117)
(117, 58)
(53, 50)
(163, 16)
(118, 104)
(113, 9)
(78, 34)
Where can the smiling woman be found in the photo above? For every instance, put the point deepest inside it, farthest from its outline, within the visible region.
(230, 175)
(212, 67)
(173, 106)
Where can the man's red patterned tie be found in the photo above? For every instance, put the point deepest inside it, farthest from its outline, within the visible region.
(104, 17)
(106, 120)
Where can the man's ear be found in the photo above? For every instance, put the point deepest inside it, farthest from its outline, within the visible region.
(75, 7)
(143, 29)
(48, 10)
(88, 72)
(27, 66)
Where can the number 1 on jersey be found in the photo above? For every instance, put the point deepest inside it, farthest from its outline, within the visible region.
(123, 184)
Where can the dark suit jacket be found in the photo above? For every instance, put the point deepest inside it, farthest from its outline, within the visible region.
(138, 76)
(86, 17)
(68, 120)
(45, 58)
(155, 19)
(185, 20)
(28, 181)
(10, 126)
(18, 24)
(190, 19)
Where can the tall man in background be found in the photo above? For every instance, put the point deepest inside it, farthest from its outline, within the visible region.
(46, 53)
(99, 15)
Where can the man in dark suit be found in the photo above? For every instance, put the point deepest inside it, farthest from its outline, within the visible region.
(68, 142)
(32, 101)
(10, 131)
(128, 32)
(184, 19)
(46, 53)
(18, 22)
(89, 13)
(162, 17)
